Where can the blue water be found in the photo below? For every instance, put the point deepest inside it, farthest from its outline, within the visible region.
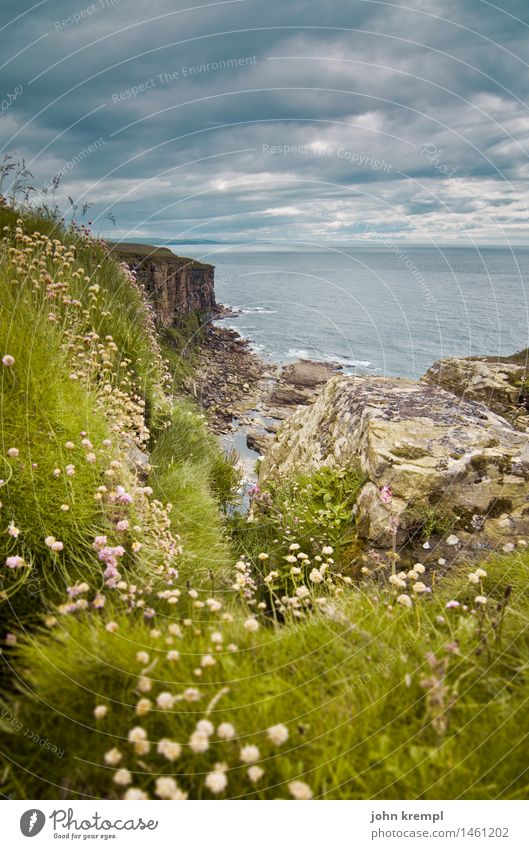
(376, 309)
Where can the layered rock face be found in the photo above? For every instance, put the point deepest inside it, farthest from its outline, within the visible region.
(500, 384)
(439, 455)
(176, 285)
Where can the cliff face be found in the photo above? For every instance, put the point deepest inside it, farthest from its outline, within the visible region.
(177, 286)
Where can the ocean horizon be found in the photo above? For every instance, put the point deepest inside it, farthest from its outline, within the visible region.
(384, 309)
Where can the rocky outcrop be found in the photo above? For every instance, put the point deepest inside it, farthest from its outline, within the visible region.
(177, 286)
(444, 460)
(500, 384)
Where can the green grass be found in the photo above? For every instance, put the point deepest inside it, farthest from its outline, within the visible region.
(351, 688)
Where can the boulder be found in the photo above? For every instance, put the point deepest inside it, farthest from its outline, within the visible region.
(500, 384)
(440, 456)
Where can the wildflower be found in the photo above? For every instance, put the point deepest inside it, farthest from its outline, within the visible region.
(8, 360)
(262, 556)
(327, 549)
(473, 578)
(138, 736)
(255, 773)
(300, 790)
(143, 706)
(419, 587)
(122, 525)
(112, 627)
(122, 777)
(112, 757)
(294, 547)
(315, 576)
(418, 567)
(398, 582)
(302, 591)
(207, 660)
(216, 781)
(278, 734)
(70, 470)
(481, 573)
(166, 787)
(452, 540)
(165, 701)
(290, 558)
(65, 508)
(481, 599)
(13, 453)
(509, 546)
(69, 445)
(135, 794)
(204, 726)
(90, 457)
(15, 562)
(192, 694)
(451, 603)
(169, 749)
(216, 637)
(251, 625)
(198, 743)
(100, 711)
(99, 601)
(142, 657)
(249, 754)
(173, 655)
(12, 530)
(386, 494)
(405, 600)
(226, 731)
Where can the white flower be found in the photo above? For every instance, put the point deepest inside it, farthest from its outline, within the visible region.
(302, 591)
(143, 707)
(216, 781)
(8, 360)
(509, 546)
(142, 657)
(278, 734)
(294, 547)
(300, 790)
(173, 655)
(481, 573)
(255, 773)
(327, 549)
(315, 576)
(138, 736)
(207, 660)
(166, 787)
(216, 637)
(192, 694)
(165, 701)
(418, 567)
(397, 582)
(481, 599)
(452, 540)
(251, 625)
(135, 794)
(473, 578)
(112, 757)
(169, 749)
(204, 726)
(198, 742)
(419, 587)
(405, 600)
(122, 777)
(226, 731)
(249, 754)
(100, 711)
(144, 684)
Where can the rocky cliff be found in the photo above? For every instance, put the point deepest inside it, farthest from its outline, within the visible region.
(430, 459)
(177, 286)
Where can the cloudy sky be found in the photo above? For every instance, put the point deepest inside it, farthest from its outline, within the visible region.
(252, 120)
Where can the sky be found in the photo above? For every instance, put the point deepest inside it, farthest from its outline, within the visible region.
(310, 121)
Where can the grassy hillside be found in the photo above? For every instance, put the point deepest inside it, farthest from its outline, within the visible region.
(152, 648)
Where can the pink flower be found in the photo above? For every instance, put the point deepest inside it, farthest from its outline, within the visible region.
(8, 360)
(13, 452)
(15, 562)
(386, 494)
(452, 603)
(99, 542)
(122, 525)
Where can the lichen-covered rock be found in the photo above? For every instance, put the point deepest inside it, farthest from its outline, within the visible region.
(439, 455)
(500, 384)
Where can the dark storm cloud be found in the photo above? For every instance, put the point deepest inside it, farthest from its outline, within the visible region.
(276, 120)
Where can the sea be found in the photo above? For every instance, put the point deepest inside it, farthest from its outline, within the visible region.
(382, 309)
